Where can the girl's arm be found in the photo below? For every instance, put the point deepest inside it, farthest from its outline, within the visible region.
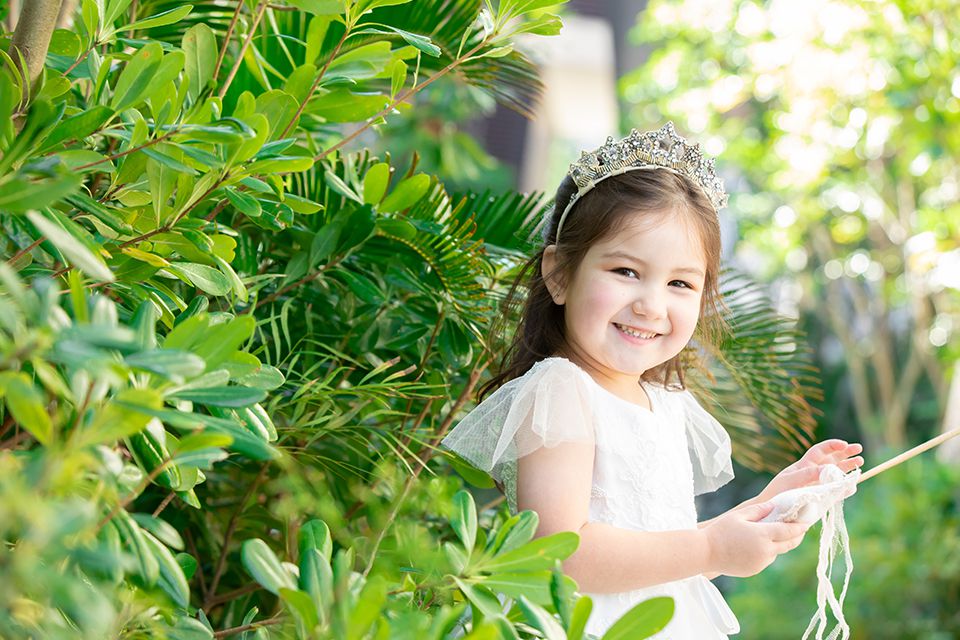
(555, 482)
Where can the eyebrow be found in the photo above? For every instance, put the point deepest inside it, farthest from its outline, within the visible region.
(626, 256)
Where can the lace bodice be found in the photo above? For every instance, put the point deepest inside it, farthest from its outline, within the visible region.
(648, 466)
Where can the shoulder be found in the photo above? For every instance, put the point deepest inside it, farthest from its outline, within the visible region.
(679, 402)
(555, 372)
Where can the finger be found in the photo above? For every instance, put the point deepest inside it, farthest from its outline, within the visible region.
(854, 448)
(784, 531)
(849, 465)
(847, 452)
(788, 545)
(824, 449)
(756, 512)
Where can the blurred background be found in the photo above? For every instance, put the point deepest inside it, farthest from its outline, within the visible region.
(835, 124)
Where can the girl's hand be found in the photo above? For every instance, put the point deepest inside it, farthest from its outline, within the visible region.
(806, 470)
(741, 546)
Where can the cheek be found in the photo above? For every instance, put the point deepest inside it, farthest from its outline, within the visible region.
(688, 313)
(593, 305)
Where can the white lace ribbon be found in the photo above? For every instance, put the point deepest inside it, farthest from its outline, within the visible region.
(823, 502)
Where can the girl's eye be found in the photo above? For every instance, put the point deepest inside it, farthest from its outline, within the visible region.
(682, 284)
(624, 271)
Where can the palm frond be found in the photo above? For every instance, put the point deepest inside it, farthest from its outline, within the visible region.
(508, 222)
(759, 380)
(512, 79)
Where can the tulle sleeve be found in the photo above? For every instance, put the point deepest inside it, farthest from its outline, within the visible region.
(708, 444)
(548, 405)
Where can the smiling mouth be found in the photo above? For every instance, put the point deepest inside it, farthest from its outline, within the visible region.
(645, 335)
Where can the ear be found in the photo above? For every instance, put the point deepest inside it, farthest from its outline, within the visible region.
(551, 277)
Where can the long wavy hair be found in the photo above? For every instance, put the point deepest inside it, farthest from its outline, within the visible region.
(598, 215)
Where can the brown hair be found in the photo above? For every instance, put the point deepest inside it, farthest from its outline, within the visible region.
(596, 216)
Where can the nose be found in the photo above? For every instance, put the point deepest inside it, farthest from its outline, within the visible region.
(650, 303)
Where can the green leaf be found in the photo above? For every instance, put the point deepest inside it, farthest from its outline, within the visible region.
(75, 252)
(315, 534)
(316, 32)
(301, 205)
(398, 77)
(316, 578)
(496, 52)
(336, 183)
(201, 458)
(154, 153)
(342, 105)
(421, 43)
(26, 404)
(222, 396)
(480, 597)
(281, 164)
(188, 563)
(236, 284)
(375, 182)
(119, 418)
(136, 79)
(324, 243)
(113, 10)
(266, 377)
(19, 195)
(202, 440)
(370, 5)
(406, 194)
(534, 585)
(161, 19)
(262, 564)
(579, 617)
(642, 621)
(545, 25)
(78, 126)
(279, 108)
(562, 594)
(167, 362)
(135, 541)
(229, 337)
(541, 620)
(207, 279)
(302, 605)
(464, 521)
(368, 608)
(188, 629)
(468, 472)
(64, 42)
(536, 555)
(162, 530)
(319, 7)
(244, 202)
(200, 47)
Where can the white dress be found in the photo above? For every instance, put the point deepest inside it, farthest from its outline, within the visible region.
(648, 466)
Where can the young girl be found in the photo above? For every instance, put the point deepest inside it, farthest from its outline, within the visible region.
(591, 425)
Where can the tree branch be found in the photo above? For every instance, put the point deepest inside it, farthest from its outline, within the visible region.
(35, 27)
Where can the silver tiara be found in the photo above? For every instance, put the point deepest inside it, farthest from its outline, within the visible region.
(662, 149)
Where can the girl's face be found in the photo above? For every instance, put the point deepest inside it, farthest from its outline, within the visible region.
(634, 300)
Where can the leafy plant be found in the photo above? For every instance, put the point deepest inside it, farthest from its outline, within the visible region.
(230, 333)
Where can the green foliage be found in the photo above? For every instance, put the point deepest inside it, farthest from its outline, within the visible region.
(511, 586)
(904, 528)
(231, 335)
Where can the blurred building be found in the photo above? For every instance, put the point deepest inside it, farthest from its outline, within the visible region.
(579, 108)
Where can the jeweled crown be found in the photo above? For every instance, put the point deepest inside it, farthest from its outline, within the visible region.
(661, 149)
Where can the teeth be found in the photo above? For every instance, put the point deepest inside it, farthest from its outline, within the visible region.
(637, 334)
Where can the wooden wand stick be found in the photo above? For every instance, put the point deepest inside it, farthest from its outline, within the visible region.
(906, 455)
